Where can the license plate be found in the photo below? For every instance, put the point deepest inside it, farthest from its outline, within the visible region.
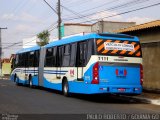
(121, 89)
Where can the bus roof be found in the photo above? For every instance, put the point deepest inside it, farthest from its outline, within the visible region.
(28, 49)
(82, 38)
(92, 36)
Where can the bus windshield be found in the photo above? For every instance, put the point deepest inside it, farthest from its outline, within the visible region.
(118, 48)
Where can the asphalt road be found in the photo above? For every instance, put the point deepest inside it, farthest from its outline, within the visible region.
(24, 100)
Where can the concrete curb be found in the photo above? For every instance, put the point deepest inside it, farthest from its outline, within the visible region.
(155, 102)
(148, 100)
(2, 78)
(143, 99)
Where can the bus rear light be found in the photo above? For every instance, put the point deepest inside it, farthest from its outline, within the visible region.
(95, 74)
(141, 74)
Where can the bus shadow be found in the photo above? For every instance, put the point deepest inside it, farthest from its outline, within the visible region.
(100, 98)
(110, 98)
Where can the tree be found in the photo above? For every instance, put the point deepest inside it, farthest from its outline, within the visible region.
(43, 37)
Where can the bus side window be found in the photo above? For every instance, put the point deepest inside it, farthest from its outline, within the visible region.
(23, 60)
(54, 56)
(31, 59)
(16, 60)
(60, 56)
(20, 61)
(66, 57)
(49, 57)
(81, 54)
(73, 54)
(27, 59)
(89, 49)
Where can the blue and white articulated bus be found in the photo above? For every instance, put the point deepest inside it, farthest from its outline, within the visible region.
(87, 64)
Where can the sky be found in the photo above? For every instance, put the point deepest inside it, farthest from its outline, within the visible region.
(26, 18)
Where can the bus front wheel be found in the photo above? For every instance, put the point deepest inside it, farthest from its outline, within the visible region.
(66, 88)
(17, 81)
(30, 81)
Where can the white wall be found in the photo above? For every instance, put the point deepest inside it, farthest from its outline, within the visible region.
(75, 29)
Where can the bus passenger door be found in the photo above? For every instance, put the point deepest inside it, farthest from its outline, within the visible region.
(81, 59)
(41, 66)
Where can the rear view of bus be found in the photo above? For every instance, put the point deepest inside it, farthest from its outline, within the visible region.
(119, 65)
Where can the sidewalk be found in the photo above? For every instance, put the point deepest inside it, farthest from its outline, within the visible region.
(4, 77)
(153, 98)
(147, 97)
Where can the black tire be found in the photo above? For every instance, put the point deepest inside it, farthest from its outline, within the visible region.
(15, 77)
(17, 80)
(30, 82)
(66, 89)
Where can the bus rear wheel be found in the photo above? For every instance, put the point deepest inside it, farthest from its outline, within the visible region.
(66, 88)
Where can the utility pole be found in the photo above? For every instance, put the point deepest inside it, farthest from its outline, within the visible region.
(58, 12)
(1, 48)
(59, 19)
(102, 26)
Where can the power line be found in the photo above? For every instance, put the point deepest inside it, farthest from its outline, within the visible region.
(58, 12)
(99, 6)
(86, 10)
(17, 43)
(18, 7)
(73, 12)
(50, 6)
(71, 3)
(20, 42)
(104, 17)
(131, 3)
(126, 12)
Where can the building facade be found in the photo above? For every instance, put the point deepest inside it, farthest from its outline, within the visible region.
(98, 27)
(76, 28)
(110, 26)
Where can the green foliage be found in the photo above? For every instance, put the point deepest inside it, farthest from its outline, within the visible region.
(43, 37)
